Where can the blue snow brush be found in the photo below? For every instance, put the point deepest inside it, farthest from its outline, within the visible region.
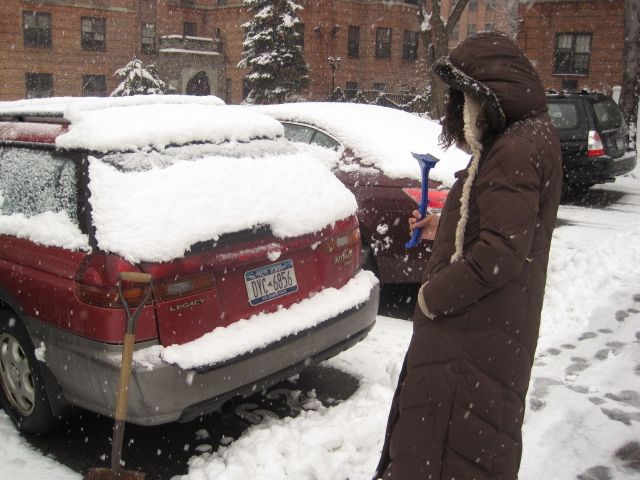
(427, 162)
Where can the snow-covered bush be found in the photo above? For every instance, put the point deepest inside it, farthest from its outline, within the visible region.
(138, 80)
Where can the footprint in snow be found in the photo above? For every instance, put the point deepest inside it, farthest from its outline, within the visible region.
(540, 390)
(568, 346)
(598, 472)
(605, 330)
(629, 456)
(636, 297)
(604, 353)
(621, 416)
(579, 364)
(632, 310)
(587, 335)
(621, 315)
(627, 397)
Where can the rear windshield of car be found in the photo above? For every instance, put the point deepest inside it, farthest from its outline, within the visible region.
(608, 114)
(563, 115)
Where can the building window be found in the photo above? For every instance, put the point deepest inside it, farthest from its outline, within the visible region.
(411, 2)
(299, 30)
(489, 27)
(491, 5)
(94, 85)
(37, 29)
(383, 43)
(94, 33)
(471, 29)
(410, 45)
(39, 85)
(148, 37)
(572, 53)
(222, 3)
(353, 45)
(455, 33)
(568, 84)
(189, 29)
(380, 87)
(351, 89)
(473, 5)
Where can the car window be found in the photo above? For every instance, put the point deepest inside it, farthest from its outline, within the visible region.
(298, 133)
(37, 181)
(325, 141)
(563, 115)
(608, 114)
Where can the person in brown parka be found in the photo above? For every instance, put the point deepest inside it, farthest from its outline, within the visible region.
(458, 410)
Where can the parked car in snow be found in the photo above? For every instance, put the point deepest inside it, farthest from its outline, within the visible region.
(594, 139)
(253, 246)
(372, 155)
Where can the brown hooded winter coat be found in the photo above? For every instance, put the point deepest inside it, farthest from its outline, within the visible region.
(458, 410)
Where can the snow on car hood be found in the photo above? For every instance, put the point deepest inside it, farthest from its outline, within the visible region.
(382, 137)
(155, 212)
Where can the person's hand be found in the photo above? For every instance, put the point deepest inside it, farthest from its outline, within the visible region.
(429, 225)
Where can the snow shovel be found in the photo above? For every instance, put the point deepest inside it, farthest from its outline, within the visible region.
(427, 162)
(116, 472)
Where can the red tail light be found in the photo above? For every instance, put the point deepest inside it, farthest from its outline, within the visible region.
(97, 281)
(436, 198)
(594, 144)
(98, 276)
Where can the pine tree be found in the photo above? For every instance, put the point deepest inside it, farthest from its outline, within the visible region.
(138, 80)
(273, 52)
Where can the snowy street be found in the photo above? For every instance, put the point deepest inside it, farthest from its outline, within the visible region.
(583, 418)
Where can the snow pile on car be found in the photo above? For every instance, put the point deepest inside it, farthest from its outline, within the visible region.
(155, 200)
(382, 137)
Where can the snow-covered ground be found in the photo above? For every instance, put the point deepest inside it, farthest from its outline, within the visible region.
(583, 417)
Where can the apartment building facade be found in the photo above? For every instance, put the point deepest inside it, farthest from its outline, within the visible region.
(74, 47)
(574, 44)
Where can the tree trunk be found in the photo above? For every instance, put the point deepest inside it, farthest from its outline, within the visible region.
(435, 36)
(631, 68)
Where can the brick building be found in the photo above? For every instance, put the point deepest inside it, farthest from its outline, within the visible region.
(574, 43)
(73, 47)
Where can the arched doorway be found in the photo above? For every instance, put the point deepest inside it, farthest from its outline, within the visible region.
(199, 84)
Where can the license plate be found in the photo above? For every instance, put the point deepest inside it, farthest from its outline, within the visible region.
(270, 282)
(620, 143)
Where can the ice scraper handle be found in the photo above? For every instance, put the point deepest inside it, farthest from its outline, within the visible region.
(427, 162)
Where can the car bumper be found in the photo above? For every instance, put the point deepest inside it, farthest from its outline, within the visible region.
(599, 169)
(88, 371)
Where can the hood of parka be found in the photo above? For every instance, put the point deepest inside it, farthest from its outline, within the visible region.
(492, 68)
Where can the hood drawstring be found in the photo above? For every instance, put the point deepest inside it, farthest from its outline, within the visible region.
(472, 135)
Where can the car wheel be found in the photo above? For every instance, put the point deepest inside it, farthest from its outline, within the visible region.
(23, 393)
(369, 260)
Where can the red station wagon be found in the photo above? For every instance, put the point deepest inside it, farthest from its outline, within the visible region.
(250, 287)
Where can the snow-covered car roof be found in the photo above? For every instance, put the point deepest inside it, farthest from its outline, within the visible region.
(177, 174)
(382, 137)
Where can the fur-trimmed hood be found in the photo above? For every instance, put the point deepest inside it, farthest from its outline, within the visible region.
(492, 68)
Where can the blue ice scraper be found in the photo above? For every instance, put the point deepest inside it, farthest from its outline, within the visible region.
(427, 162)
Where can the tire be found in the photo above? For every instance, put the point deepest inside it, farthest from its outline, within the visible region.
(23, 394)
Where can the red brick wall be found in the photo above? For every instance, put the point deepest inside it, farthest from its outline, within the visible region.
(66, 59)
(602, 18)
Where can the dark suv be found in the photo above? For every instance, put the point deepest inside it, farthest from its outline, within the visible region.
(254, 250)
(594, 139)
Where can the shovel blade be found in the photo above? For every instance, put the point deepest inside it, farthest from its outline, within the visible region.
(107, 474)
